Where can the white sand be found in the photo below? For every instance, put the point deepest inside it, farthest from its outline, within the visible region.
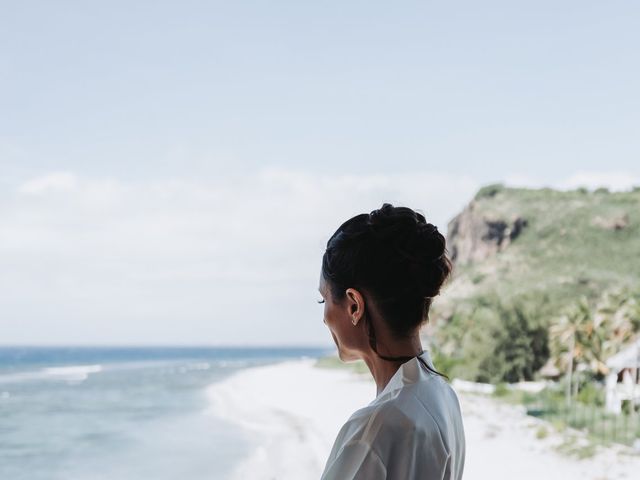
(293, 411)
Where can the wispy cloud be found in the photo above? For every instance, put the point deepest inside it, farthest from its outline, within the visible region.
(613, 180)
(229, 260)
(60, 181)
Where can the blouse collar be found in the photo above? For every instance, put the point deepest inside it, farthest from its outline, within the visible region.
(411, 371)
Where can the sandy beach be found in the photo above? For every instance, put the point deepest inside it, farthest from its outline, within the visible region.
(292, 411)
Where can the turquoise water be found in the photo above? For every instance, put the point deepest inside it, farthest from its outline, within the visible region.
(121, 413)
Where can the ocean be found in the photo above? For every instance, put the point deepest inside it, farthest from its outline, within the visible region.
(97, 413)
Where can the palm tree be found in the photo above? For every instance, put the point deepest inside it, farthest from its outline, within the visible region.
(570, 339)
(616, 322)
(586, 335)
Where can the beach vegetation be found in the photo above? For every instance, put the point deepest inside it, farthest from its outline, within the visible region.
(501, 389)
(496, 341)
(576, 447)
(558, 425)
(542, 432)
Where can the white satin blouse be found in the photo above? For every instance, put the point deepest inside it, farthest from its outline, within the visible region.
(412, 430)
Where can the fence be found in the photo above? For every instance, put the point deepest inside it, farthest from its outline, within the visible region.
(599, 424)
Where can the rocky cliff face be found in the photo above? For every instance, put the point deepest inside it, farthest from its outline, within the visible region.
(474, 237)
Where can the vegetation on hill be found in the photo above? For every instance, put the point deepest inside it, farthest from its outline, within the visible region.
(534, 268)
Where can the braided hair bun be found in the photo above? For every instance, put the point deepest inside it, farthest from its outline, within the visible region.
(411, 250)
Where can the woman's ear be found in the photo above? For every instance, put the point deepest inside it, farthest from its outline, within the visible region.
(356, 305)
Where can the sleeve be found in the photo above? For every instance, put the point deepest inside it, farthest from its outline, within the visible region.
(356, 461)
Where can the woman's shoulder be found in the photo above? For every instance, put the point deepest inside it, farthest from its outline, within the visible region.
(377, 421)
(416, 427)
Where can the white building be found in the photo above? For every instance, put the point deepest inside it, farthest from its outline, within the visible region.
(623, 382)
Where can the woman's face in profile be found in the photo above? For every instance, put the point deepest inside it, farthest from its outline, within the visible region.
(336, 316)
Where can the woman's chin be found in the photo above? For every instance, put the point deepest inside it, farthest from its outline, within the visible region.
(347, 357)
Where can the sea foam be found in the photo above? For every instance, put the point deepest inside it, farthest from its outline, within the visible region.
(70, 373)
(73, 373)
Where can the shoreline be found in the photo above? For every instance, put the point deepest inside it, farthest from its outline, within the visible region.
(292, 411)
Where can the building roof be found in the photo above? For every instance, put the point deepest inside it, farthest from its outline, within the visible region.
(628, 357)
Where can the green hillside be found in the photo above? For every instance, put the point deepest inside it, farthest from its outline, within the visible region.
(522, 259)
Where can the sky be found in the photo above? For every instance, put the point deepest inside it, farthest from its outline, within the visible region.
(170, 172)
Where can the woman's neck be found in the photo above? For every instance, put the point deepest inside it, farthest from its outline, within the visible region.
(383, 370)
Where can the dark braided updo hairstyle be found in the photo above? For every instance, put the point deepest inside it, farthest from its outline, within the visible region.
(394, 256)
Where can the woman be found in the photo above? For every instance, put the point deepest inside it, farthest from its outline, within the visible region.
(380, 272)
